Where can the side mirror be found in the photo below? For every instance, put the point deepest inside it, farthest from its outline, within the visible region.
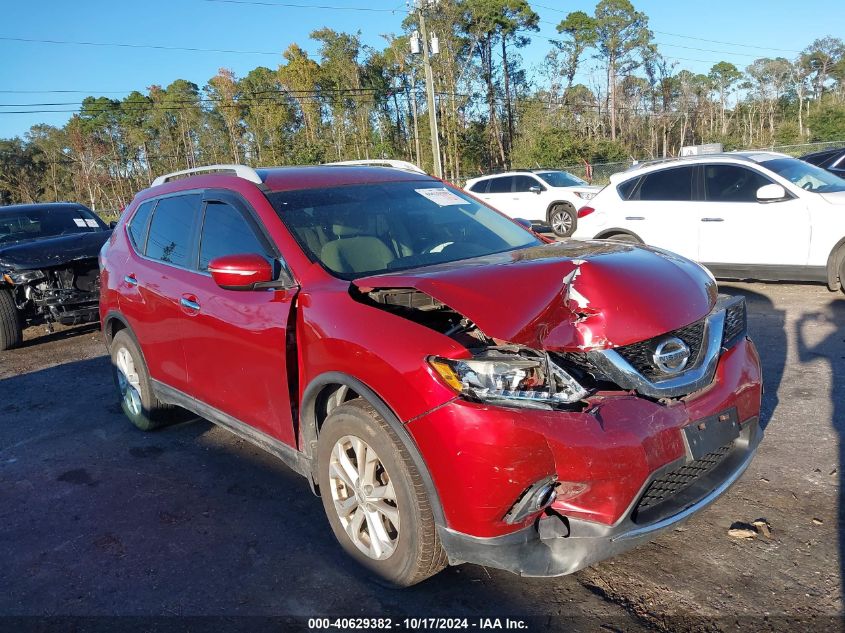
(771, 193)
(240, 272)
(523, 222)
(113, 224)
(536, 189)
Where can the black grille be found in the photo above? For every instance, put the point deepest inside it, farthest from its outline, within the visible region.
(735, 323)
(670, 484)
(640, 354)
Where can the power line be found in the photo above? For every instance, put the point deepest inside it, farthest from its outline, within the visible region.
(141, 46)
(303, 6)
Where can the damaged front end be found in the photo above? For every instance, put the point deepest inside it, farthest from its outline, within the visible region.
(603, 393)
(66, 294)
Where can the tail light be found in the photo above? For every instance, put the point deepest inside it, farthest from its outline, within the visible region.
(583, 212)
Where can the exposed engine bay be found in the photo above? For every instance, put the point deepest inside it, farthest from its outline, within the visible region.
(67, 294)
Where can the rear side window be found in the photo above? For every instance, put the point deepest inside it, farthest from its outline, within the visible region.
(138, 225)
(626, 188)
(225, 231)
(732, 183)
(667, 184)
(480, 187)
(501, 185)
(171, 229)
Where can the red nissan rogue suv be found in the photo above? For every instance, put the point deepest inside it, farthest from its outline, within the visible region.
(455, 388)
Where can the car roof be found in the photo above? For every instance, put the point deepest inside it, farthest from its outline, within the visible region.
(517, 172)
(312, 177)
(35, 206)
(750, 156)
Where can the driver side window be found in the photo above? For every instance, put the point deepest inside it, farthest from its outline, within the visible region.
(732, 183)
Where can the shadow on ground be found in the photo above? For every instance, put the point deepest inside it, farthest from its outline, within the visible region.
(100, 518)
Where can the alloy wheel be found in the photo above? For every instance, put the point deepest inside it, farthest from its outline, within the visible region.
(128, 381)
(364, 497)
(561, 222)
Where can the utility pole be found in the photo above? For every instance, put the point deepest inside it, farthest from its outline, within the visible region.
(429, 81)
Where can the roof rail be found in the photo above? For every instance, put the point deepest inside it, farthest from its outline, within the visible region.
(384, 162)
(241, 171)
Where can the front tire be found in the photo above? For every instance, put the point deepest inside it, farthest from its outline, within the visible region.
(11, 332)
(374, 497)
(562, 219)
(132, 381)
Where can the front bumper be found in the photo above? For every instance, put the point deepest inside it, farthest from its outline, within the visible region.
(555, 545)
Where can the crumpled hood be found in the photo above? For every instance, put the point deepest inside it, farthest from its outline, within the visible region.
(569, 295)
(53, 251)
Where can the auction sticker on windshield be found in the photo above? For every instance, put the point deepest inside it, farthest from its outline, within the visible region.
(442, 197)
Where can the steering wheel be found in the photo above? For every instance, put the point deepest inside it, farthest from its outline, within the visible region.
(436, 248)
(807, 186)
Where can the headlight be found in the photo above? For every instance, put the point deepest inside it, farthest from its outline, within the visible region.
(510, 380)
(585, 195)
(25, 276)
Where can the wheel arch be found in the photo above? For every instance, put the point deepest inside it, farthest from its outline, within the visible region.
(313, 413)
(617, 231)
(834, 265)
(553, 204)
(113, 323)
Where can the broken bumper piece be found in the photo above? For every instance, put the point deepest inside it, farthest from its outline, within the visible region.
(556, 545)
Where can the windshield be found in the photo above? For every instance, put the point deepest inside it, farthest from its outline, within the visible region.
(37, 223)
(805, 175)
(561, 179)
(375, 228)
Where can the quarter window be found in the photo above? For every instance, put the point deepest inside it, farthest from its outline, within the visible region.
(138, 225)
(171, 229)
(666, 184)
(732, 183)
(225, 231)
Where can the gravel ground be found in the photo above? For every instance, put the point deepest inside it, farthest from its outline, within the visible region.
(98, 519)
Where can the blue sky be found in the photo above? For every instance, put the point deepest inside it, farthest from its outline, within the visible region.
(264, 31)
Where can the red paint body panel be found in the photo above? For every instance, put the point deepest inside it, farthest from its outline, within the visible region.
(235, 350)
(496, 453)
(567, 295)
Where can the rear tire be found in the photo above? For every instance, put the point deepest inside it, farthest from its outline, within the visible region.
(11, 330)
(563, 219)
(134, 389)
(369, 484)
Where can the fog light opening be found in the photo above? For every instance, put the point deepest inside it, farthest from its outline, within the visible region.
(545, 496)
(535, 499)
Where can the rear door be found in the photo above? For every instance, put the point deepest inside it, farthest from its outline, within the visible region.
(499, 194)
(735, 228)
(660, 210)
(156, 270)
(235, 341)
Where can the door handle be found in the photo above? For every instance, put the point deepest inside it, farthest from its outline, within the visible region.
(712, 219)
(189, 303)
(635, 217)
(130, 280)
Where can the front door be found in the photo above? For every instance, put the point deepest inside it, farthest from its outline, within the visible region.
(735, 228)
(235, 341)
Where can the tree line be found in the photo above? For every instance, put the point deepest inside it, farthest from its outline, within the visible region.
(355, 101)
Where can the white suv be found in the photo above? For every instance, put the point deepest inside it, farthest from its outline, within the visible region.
(744, 215)
(543, 196)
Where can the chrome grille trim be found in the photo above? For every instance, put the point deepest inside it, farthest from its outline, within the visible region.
(613, 365)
